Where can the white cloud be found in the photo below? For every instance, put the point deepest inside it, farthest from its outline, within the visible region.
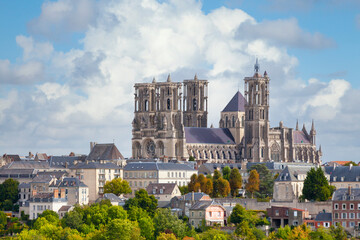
(88, 92)
(25, 73)
(64, 16)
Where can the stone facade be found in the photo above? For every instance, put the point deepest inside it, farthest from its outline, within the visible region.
(171, 124)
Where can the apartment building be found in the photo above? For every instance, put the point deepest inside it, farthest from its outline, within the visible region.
(141, 174)
(209, 211)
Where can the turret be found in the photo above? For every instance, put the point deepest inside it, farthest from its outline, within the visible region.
(313, 133)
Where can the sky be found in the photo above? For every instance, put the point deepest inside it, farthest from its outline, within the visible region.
(67, 68)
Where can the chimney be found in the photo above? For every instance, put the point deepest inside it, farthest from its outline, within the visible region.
(192, 196)
(62, 193)
(349, 190)
(350, 166)
(56, 193)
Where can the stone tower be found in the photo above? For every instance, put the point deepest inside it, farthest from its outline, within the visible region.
(256, 144)
(157, 125)
(195, 102)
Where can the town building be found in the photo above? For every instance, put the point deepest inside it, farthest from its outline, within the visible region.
(344, 176)
(141, 174)
(346, 207)
(281, 216)
(163, 192)
(170, 122)
(184, 202)
(208, 212)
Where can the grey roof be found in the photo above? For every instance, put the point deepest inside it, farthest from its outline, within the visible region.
(95, 165)
(167, 188)
(204, 204)
(291, 173)
(236, 104)
(324, 216)
(42, 179)
(208, 135)
(209, 168)
(65, 208)
(343, 173)
(24, 185)
(63, 161)
(104, 152)
(28, 165)
(197, 196)
(71, 182)
(17, 173)
(110, 196)
(12, 157)
(343, 194)
(301, 138)
(140, 166)
(56, 174)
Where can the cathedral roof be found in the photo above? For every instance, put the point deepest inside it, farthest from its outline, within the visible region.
(208, 135)
(236, 104)
(300, 138)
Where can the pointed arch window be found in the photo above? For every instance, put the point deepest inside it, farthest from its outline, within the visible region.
(194, 104)
(146, 105)
(233, 121)
(168, 104)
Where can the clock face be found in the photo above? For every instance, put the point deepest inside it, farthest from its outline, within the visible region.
(150, 148)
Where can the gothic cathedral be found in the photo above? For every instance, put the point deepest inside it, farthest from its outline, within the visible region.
(170, 123)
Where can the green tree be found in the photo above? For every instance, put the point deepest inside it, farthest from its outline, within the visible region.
(321, 234)
(244, 231)
(72, 219)
(316, 186)
(214, 234)
(338, 232)
(253, 182)
(147, 228)
(226, 172)
(50, 216)
(144, 201)
(184, 190)
(191, 159)
(235, 181)
(266, 185)
(217, 175)
(123, 229)
(164, 221)
(166, 236)
(117, 186)
(351, 162)
(9, 190)
(3, 218)
(136, 213)
(116, 212)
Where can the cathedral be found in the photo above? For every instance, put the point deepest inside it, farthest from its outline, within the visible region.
(170, 123)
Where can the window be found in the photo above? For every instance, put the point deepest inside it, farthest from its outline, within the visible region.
(210, 214)
(192, 214)
(336, 206)
(336, 215)
(295, 214)
(287, 213)
(352, 206)
(194, 105)
(161, 191)
(343, 215)
(352, 224)
(358, 206)
(326, 224)
(351, 215)
(344, 206)
(276, 212)
(295, 223)
(192, 223)
(199, 214)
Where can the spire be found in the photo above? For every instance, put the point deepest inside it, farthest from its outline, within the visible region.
(304, 128)
(195, 77)
(257, 66)
(154, 81)
(169, 78)
(320, 148)
(265, 73)
(297, 125)
(312, 126)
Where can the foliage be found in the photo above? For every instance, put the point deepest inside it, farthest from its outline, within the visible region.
(50, 216)
(235, 181)
(200, 182)
(221, 187)
(316, 186)
(214, 234)
(3, 218)
(226, 172)
(240, 214)
(191, 159)
(184, 190)
(165, 221)
(338, 232)
(147, 228)
(266, 185)
(72, 219)
(244, 231)
(253, 182)
(9, 194)
(321, 234)
(144, 201)
(117, 186)
(217, 175)
(193, 185)
(122, 229)
(351, 162)
(166, 236)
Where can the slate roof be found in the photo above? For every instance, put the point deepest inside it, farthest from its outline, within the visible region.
(140, 166)
(56, 174)
(95, 165)
(62, 161)
(209, 168)
(197, 196)
(324, 217)
(28, 165)
(65, 208)
(236, 104)
(104, 152)
(42, 179)
(343, 173)
(71, 182)
(300, 138)
(167, 188)
(342, 193)
(291, 173)
(204, 204)
(112, 197)
(208, 135)
(24, 185)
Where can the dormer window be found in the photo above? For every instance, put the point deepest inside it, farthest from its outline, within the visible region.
(342, 179)
(161, 191)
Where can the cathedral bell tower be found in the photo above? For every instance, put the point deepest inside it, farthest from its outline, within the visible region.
(195, 102)
(256, 148)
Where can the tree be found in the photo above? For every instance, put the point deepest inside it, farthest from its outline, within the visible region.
(235, 181)
(72, 219)
(166, 236)
(165, 221)
(184, 190)
(217, 175)
(147, 228)
(144, 201)
(223, 187)
(201, 179)
(9, 190)
(123, 229)
(266, 185)
(316, 186)
(226, 172)
(117, 186)
(338, 232)
(253, 182)
(351, 162)
(193, 185)
(50, 216)
(244, 231)
(116, 212)
(191, 159)
(208, 186)
(214, 234)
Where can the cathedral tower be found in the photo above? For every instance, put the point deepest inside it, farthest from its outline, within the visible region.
(256, 144)
(195, 102)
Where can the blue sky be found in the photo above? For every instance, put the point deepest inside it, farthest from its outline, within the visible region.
(55, 54)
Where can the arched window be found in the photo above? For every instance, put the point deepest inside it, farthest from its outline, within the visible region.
(161, 148)
(200, 155)
(226, 121)
(194, 104)
(206, 155)
(168, 104)
(233, 121)
(242, 121)
(146, 105)
(212, 155)
(275, 152)
(224, 155)
(217, 154)
(229, 155)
